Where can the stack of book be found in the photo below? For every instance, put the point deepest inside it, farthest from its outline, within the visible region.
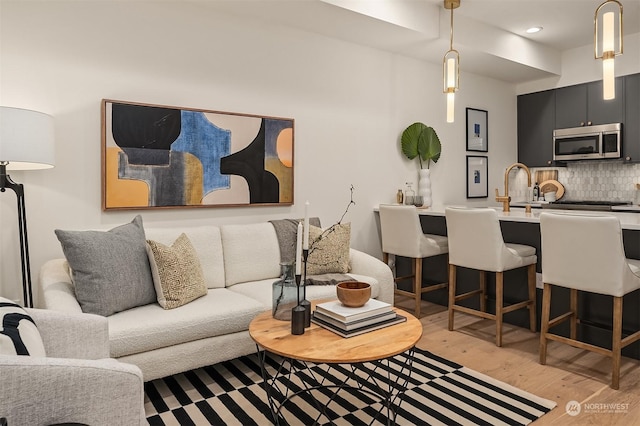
(348, 322)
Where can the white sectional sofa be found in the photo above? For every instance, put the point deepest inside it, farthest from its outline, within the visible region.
(240, 264)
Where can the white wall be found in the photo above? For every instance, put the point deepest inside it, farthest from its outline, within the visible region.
(350, 105)
(579, 66)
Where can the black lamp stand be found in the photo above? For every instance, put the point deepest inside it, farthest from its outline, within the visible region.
(18, 188)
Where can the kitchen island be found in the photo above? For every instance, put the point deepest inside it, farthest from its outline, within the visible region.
(518, 226)
(628, 220)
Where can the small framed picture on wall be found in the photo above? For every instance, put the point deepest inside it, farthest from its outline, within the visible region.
(477, 130)
(477, 176)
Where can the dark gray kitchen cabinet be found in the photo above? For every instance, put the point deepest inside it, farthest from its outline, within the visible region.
(571, 106)
(536, 121)
(631, 123)
(583, 105)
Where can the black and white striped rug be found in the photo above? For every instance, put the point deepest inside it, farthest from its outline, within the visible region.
(439, 392)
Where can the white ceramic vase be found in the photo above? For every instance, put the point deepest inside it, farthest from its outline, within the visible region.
(424, 186)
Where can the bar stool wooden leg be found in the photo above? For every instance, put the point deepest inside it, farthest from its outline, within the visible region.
(483, 291)
(452, 293)
(417, 284)
(574, 312)
(385, 258)
(532, 297)
(616, 346)
(499, 306)
(544, 323)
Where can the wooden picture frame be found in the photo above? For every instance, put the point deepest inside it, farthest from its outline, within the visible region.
(477, 130)
(477, 176)
(172, 157)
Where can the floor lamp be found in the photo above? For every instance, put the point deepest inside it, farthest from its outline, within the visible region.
(26, 143)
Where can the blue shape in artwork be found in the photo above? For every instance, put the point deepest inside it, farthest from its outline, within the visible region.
(208, 143)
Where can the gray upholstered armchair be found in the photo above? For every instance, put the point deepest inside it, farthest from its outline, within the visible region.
(77, 381)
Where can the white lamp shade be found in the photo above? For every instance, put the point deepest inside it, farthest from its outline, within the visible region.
(608, 79)
(450, 107)
(608, 32)
(26, 139)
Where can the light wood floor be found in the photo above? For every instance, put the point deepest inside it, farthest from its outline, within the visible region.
(570, 374)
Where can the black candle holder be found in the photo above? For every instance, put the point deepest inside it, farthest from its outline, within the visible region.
(298, 314)
(304, 302)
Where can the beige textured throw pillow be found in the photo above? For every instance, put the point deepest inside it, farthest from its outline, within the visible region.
(177, 273)
(329, 249)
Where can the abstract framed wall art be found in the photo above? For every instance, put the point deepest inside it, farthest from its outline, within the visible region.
(170, 157)
(477, 132)
(477, 176)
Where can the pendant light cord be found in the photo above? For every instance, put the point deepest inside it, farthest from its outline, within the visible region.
(451, 36)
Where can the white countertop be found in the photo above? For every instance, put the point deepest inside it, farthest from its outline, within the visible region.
(626, 209)
(539, 204)
(517, 214)
(628, 219)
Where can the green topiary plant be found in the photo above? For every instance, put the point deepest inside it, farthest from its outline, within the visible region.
(420, 140)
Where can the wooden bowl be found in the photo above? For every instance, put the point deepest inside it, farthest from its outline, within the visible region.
(353, 293)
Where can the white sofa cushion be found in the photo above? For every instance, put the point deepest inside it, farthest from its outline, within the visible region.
(207, 243)
(150, 327)
(251, 252)
(262, 290)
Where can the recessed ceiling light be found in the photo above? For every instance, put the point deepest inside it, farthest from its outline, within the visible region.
(533, 30)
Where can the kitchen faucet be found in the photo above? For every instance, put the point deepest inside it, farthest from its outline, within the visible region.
(505, 199)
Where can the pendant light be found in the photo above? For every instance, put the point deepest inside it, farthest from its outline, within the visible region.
(606, 44)
(451, 66)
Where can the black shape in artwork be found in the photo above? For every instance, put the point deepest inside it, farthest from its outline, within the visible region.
(249, 163)
(145, 127)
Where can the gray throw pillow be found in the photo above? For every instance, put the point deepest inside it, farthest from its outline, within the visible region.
(110, 270)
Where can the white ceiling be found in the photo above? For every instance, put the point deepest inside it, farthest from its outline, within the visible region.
(489, 34)
(567, 23)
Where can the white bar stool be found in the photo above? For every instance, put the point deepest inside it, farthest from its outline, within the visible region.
(402, 236)
(475, 242)
(586, 253)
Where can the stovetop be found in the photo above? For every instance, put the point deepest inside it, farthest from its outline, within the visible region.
(585, 205)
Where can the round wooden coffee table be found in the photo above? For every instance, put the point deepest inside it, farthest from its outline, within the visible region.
(310, 356)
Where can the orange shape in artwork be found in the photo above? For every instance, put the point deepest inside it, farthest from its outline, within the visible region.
(284, 147)
(192, 180)
(122, 192)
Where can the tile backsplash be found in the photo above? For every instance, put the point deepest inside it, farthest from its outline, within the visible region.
(599, 181)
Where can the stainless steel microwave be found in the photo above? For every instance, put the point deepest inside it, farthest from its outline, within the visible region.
(588, 143)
